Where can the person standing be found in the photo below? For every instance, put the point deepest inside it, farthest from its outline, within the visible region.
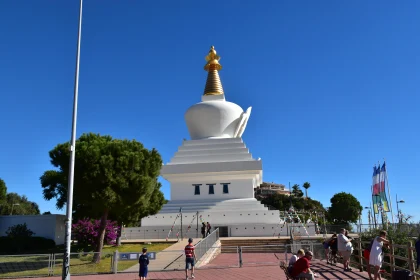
(144, 262)
(345, 248)
(203, 230)
(376, 256)
(189, 258)
(334, 249)
(326, 245)
(366, 256)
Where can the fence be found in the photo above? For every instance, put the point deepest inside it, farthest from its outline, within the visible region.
(14, 266)
(392, 261)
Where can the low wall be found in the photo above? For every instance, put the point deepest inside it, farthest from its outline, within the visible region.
(240, 230)
(47, 226)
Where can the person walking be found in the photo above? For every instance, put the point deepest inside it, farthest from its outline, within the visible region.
(189, 258)
(144, 263)
(208, 228)
(345, 248)
(376, 256)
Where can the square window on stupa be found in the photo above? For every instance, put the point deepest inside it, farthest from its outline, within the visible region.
(211, 188)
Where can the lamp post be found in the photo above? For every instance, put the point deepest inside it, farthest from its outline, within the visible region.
(398, 211)
(69, 205)
(17, 204)
(369, 218)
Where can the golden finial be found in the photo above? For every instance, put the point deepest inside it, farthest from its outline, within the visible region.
(213, 84)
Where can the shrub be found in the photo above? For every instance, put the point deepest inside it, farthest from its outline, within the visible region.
(19, 245)
(86, 232)
(20, 230)
(398, 235)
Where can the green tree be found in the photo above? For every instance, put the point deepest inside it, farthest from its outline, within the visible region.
(306, 186)
(111, 175)
(3, 191)
(20, 205)
(296, 191)
(345, 208)
(132, 214)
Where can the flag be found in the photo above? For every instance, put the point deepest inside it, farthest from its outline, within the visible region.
(375, 189)
(382, 192)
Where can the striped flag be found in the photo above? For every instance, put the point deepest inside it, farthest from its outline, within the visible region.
(382, 192)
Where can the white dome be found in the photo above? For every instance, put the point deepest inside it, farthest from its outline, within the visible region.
(213, 119)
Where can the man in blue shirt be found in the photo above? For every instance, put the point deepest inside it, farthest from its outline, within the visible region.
(144, 262)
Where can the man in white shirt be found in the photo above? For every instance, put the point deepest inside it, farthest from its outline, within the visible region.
(344, 248)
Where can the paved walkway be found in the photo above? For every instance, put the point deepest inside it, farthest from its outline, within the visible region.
(269, 272)
(169, 259)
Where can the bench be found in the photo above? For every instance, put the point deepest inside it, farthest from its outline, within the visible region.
(286, 272)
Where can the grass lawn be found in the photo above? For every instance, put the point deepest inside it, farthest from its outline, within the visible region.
(38, 265)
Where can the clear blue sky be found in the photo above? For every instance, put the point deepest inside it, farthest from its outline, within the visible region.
(334, 85)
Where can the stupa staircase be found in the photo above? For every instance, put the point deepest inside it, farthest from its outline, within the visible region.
(253, 245)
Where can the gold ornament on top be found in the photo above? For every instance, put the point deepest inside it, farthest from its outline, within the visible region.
(213, 84)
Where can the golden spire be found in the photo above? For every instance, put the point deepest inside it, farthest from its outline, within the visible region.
(213, 84)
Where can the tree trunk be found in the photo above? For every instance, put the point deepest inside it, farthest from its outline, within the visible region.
(120, 225)
(101, 237)
(306, 191)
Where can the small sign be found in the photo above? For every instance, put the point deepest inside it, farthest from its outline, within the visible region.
(135, 256)
(151, 255)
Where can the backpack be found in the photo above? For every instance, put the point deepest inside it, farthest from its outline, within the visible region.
(333, 244)
(369, 247)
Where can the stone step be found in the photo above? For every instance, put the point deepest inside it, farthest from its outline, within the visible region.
(254, 250)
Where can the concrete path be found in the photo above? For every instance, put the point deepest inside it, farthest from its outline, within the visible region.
(171, 258)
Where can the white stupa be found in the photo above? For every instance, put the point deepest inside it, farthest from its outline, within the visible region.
(213, 174)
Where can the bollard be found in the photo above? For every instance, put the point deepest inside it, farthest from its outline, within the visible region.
(114, 262)
(240, 256)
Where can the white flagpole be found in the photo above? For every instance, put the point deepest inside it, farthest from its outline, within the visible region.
(389, 193)
(69, 206)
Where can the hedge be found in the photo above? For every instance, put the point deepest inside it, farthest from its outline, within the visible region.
(20, 245)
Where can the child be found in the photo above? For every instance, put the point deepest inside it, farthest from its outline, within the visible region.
(144, 262)
(189, 258)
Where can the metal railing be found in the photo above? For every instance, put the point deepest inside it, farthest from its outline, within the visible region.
(42, 265)
(202, 247)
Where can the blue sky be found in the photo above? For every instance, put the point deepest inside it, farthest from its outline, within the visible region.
(334, 85)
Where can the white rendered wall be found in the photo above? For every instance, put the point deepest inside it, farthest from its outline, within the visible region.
(47, 226)
(234, 230)
(239, 188)
(221, 218)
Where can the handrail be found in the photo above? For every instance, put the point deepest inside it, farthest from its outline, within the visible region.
(409, 259)
(205, 244)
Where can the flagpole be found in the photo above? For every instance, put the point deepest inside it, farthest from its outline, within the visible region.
(389, 194)
(373, 209)
(69, 205)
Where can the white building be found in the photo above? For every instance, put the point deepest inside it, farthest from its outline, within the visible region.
(213, 174)
(47, 226)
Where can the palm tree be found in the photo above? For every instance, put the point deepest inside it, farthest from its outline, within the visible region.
(306, 185)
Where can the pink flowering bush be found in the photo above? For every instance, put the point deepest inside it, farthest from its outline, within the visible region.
(86, 232)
